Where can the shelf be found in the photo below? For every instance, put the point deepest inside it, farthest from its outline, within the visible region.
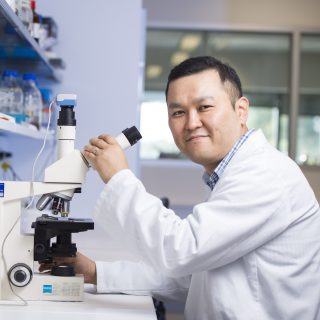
(19, 50)
(8, 128)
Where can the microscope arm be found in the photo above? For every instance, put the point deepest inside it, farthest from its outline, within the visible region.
(72, 168)
(17, 190)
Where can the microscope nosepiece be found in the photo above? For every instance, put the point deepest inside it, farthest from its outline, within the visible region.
(61, 206)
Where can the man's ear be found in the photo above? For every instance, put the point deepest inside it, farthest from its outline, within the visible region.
(242, 109)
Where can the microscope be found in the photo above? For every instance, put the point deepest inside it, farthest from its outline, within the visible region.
(19, 278)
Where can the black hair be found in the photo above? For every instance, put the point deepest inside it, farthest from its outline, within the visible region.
(198, 64)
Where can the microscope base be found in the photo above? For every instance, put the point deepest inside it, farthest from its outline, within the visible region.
(45, 287)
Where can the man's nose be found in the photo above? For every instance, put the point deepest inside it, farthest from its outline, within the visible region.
(193, 120)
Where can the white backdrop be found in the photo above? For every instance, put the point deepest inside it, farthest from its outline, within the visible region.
(102, 44)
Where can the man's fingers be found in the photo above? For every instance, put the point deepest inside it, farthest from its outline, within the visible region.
(106, 138)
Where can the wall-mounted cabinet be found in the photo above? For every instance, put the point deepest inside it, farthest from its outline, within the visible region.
(19, 50)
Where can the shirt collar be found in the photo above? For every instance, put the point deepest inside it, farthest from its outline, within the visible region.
(212, 179)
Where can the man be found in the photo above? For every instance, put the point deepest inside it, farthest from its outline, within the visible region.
(252, 251)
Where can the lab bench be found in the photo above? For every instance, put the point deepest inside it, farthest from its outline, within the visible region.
(95, 306)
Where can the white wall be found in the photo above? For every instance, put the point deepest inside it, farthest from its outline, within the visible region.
(272, 13)
(102, 58)
(101, 44)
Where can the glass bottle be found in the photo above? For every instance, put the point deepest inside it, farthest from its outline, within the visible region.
(11, 95)
(36, 24)
(32, 102)
(24, 12)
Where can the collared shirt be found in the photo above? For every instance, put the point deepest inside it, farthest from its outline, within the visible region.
(211, 180)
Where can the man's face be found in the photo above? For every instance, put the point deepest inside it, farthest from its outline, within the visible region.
(202, 119)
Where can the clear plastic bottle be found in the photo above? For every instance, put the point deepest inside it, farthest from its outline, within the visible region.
(11, 95)
(47, 95)
(32, 102)
(13, 5)
(36, 23)
(24, 12)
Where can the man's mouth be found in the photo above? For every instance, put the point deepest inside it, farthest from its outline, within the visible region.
(196, 137)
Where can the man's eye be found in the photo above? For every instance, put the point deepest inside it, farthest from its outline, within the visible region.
(205, 107)
(177, 113)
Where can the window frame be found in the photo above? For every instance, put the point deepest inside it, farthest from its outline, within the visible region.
(294, 86)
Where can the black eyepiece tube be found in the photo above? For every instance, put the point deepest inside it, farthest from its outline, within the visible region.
(66, 116)
(132, 134)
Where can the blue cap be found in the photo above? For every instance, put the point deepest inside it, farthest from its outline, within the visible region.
(9, 73)
(29, 76)
(66, 99)
(46, 94)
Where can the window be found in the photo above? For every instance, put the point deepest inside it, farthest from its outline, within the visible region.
(157, 138)
(308, 135)
(262, 61)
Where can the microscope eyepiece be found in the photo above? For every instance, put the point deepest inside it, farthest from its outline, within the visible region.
(132, 134)
(66, 115)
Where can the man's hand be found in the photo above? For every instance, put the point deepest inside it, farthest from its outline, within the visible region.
(82, 265)
(106, 156)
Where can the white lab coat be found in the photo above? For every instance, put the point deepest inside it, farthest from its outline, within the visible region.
(252, 251)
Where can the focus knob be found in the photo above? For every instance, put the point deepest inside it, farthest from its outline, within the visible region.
(20, 274)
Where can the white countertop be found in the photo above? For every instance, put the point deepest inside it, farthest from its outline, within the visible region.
(94, 307)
